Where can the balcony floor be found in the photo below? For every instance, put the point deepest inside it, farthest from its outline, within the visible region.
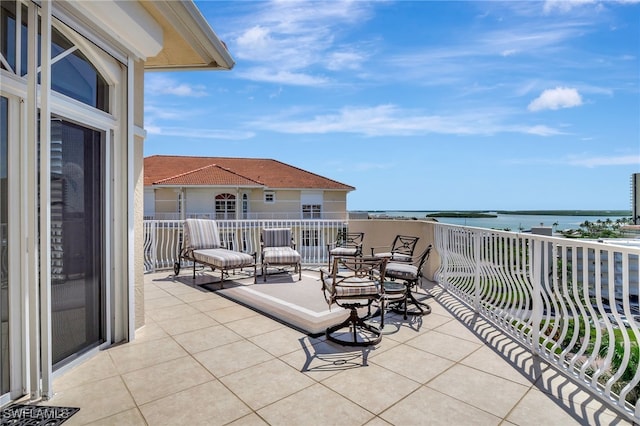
(202, 359)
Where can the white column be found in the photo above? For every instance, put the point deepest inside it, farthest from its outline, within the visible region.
(45, 200)
(31, 206)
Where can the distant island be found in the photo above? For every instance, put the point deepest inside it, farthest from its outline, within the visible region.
(463, 214)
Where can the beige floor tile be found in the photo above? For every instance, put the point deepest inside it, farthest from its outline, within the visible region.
(196, 296)
(373, 387)
(315, 405)
(487, 360)
(171, 312)
(212, 304)
(158, 381)
(99, 367)
(529, 413)
(186, 324)
(128, 358)
(266, 383)
(232, 313)
(96, 400)
(444, 345)
(131, 417)
(153, 292)
(150, 331)
(207, 404)
(322, 359)
(233, 357)
(482, 390)
(254, 326)
(206, 338)
(249, 420)
(281, 341)
(377, 421)
(161, 302)
(429, 407)
(412, 363)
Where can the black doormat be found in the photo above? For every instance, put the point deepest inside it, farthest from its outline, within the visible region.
(36, 415)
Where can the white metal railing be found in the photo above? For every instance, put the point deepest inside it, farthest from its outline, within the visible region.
(339, 215)
(573, 302)
(162, 238)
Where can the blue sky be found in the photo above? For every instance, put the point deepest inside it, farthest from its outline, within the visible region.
(426, 105)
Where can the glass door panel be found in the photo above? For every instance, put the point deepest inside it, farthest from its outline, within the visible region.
(4, 253)
(77, 280)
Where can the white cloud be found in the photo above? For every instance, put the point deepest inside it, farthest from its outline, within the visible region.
(184, 132)
(162, 85)
(560, 97)
(622, 160)
(390, 120)
(564, 6)
(281, 77)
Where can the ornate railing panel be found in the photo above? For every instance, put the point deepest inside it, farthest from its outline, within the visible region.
(573, 302)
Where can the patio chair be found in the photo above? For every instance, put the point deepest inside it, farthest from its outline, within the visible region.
(410, 273)
(279, 249)
(353, 283)
(347, 244)
(201, 245)
(401, 250)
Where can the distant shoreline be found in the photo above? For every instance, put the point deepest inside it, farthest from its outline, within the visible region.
(491, 214)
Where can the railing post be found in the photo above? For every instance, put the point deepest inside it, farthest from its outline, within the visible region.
(154, 249)
(536, 295)
(476, 280)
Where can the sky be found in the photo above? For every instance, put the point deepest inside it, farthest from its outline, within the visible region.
(423, 105)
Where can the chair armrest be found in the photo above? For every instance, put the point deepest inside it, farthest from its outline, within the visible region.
(379, 247)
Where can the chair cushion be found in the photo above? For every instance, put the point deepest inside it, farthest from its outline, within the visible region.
(201, 234)
(344, 251)
(276, 237)
(223, 258)
(395, 257)
(280, 255)
(403, 271)
(352, 287)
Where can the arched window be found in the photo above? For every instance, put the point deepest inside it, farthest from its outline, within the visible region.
(225, 206)
(245, 206)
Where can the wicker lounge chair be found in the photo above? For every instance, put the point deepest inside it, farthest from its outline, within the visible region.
(201, 245)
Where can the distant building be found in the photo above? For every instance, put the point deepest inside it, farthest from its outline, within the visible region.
(635, 198)
(178, 187)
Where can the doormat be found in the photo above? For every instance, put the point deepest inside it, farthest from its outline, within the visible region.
(36, 415)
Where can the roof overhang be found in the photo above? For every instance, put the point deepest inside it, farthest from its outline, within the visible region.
(164, 34)
(189, 40)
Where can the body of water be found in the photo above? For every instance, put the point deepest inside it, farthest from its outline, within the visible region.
(513, 222)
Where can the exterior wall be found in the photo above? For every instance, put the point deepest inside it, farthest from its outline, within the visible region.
(381, 232)
(166, 200)
(335, 202)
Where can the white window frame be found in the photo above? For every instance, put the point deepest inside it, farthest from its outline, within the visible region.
(271, 195)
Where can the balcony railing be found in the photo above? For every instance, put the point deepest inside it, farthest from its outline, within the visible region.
(162, 238)
(572, 302)
(339, 215)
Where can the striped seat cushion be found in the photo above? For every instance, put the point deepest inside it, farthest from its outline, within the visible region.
(276, 237)
(344, 251)
(394, 257)
(352, 287)
(223, 258)
(201, 234)
(403, 271)
(280, 255)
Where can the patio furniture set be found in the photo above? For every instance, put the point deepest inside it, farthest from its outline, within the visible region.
(351, 280)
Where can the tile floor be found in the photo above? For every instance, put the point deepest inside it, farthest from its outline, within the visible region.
(204, 360)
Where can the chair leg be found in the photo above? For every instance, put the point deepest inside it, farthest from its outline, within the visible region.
(354, 322)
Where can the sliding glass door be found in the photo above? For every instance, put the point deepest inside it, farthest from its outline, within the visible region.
(5, 382)
(77, 240)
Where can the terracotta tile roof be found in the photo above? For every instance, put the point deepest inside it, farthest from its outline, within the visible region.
(183, 170)
(207, 175)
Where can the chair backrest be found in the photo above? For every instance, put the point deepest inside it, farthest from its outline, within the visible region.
(404, 244)
(200, 234)
(349, 239)
(350, 274)
(276, 237)
(423, 258)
